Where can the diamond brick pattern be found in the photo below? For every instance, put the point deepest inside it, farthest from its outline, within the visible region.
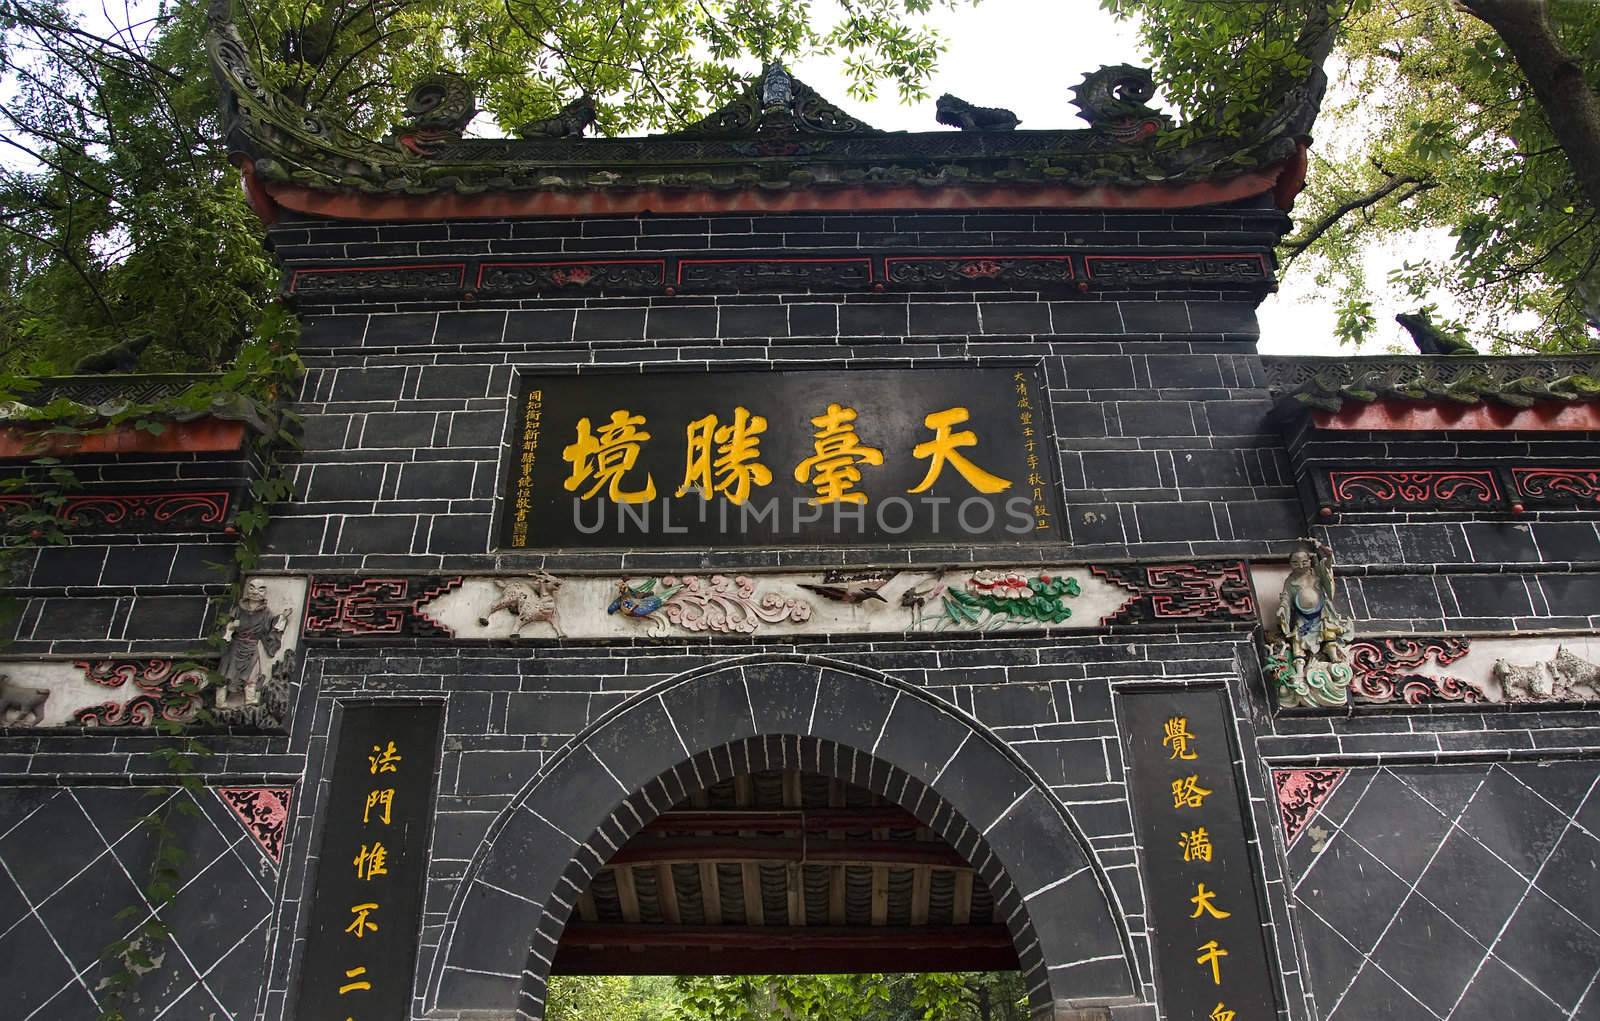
(1461, 893)
(72, 858)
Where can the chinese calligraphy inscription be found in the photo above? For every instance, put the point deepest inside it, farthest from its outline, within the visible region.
(771, 458)
(1211, 959)
(361, 945)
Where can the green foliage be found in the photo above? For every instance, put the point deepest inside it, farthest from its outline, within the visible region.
(609, 998)
(263, 373)
(965, 996)
(1430, 138)
(121, 217)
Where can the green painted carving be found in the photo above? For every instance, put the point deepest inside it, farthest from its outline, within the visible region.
(1308, 658)
(987, 601)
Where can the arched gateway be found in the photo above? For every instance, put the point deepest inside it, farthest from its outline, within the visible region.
(978, 409)
(808, 713)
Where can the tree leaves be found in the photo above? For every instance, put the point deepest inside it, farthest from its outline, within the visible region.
(1422, 92)
(120, 215)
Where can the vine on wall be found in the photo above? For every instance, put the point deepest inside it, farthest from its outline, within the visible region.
(255, 390)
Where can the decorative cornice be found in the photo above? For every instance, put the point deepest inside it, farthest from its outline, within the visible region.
(779, 145)
(856, 270)
(1334, 385)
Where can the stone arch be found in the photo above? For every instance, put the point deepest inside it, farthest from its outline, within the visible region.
(805, 712)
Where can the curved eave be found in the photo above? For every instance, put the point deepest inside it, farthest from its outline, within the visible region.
(853, 198)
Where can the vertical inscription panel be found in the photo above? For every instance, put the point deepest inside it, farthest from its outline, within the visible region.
(1209, 947)
(366, 913)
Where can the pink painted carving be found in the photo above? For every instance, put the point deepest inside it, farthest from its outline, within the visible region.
(1300, 793)
(264, 811)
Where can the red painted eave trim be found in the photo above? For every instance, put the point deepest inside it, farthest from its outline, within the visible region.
(202, 436)
(1291, 178)
(1411, 416)
(855, 198)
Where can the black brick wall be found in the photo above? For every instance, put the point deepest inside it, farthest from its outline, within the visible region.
(1165, 452)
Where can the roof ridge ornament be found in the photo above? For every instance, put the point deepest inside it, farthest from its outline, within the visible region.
(439, 107)
(571, 121)
(775, 103)
(1115, 100)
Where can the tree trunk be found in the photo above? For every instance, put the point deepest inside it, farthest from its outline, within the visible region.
(1569, 104)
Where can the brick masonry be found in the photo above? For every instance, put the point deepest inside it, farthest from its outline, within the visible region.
(1166, 452)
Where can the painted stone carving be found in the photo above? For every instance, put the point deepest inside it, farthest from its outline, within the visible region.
(1565, 677)
(1309, 660)
(988, 600)
(26, 703)
(161, 690)
(1388, 670)
(1300, 793)
(254, 637)
(264, 813)
(1115, 100)
(438, 109)
(851, 587)
(570, 122)
(724, 603)
(958, 113)
(531, 600)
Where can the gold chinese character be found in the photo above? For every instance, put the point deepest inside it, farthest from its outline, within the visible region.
(1195, 844)
(735, 464)
(384, 760)
(608, 457)
(1220, 1013)
(372, 863)
(942, 449)
(362, 924)
(1211, 954)
(383, 799)
(1187, 792)
(360, 983)
(1202, 903)
(1178, 736)
(838, 451)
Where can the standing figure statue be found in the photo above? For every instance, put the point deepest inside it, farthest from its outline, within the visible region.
(1309, 661)
(254, 635)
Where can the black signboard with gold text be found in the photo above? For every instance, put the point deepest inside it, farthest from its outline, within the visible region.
(1210, 951)
(365, 916)
(825, 457)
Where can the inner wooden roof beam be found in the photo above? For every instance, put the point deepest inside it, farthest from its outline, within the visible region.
(811, 851)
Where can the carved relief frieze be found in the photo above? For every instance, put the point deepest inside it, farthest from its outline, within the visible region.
(1420, 490)
(174, 510)
(438, 278)
(357, 607)
(1196, 593)
(542, 606)
(616, 275)
(1400, 671)
(1169, 270)
(247, 688)
(978, 271)
(842, 274)
(1558, 487)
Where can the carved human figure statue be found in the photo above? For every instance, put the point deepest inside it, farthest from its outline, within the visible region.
(254, 635)
(1307, 620)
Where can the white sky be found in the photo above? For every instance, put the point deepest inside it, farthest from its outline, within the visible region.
(1023, 55)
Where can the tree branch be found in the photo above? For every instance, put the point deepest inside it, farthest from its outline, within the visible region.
(1564, 95)
(1395, 182)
